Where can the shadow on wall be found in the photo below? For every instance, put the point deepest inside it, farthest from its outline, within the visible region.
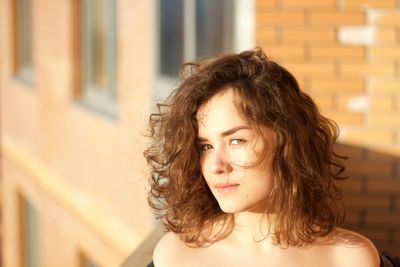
(372, 196)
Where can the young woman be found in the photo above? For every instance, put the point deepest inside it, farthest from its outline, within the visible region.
(244, 172)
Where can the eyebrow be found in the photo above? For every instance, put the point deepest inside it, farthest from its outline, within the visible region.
(227, 132)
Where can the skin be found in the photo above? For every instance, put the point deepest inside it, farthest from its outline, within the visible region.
(229, 148)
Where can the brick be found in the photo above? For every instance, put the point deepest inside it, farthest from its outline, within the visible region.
(337, 85)
(389, 147)
(397, 236)
(353, 152)
(269, 4)
(368, 136)
(337, 18)
(354, 174)
(353, 218)
(380, 169)
(391, 18)
(397, 103)
(384, 185)
(385, 36)
(351, 185)
(376, 156)
(282, 52)
(313, 4)
(381, 104)
(313, 36)
(324, 101)
(351, 102)
(265, 36)
(367, 202)
(397, 204)
(303, 70)
(376, 234)
(383, 218)
(339, 52)
(346, 118)
(302, 83)
(396, 143)
(280, 18)
(369, 3)
(356, 35)
(387, 53)
(366, 69)
(396, 165)
(381, 120)
(385, 86)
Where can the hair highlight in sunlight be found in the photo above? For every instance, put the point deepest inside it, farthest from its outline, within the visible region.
(305, 199)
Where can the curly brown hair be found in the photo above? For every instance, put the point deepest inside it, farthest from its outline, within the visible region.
(305, 197)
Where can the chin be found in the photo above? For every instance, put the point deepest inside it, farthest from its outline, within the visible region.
(230, 208)
(235, 207)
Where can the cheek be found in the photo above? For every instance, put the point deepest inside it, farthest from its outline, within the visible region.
(243, 156)
(257, 188)
(263, 186)
(204, 164)
(261, 177)
(204, 167)
(201, 162)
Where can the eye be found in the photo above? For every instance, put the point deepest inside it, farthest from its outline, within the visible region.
(204, 147)
(237, 141)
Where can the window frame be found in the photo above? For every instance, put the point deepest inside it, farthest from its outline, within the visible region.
(23, 39)
(102, 100)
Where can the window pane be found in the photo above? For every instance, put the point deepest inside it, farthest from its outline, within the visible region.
(24, 39)
(29, 235)
(99, 36)
(99, 49)
(171, 36)
(214, 23)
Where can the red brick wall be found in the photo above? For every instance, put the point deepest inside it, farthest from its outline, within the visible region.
(346, 55)
(372, 195)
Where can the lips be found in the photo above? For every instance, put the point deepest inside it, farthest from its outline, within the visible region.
(226, 187)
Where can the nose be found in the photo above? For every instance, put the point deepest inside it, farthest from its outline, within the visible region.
(219, 162)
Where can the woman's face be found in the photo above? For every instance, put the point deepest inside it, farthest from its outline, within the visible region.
(230, 147)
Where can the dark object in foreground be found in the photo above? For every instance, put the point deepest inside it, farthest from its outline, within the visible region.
(387, 260)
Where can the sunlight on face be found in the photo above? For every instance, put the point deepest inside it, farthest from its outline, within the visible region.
(229, 148)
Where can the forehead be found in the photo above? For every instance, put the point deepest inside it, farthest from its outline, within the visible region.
(220, 112)
(223, 101)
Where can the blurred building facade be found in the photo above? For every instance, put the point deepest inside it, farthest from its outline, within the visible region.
(79, 78)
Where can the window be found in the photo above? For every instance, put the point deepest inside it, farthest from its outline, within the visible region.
(214, 27)
(171, 36)
(190, 29)
(29, 234)
(98, 56)
(23, 40)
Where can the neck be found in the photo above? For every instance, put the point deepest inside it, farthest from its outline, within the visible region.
(252, 230)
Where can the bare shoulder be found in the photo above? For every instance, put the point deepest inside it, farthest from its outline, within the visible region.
(169, 251)
(349, 248)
